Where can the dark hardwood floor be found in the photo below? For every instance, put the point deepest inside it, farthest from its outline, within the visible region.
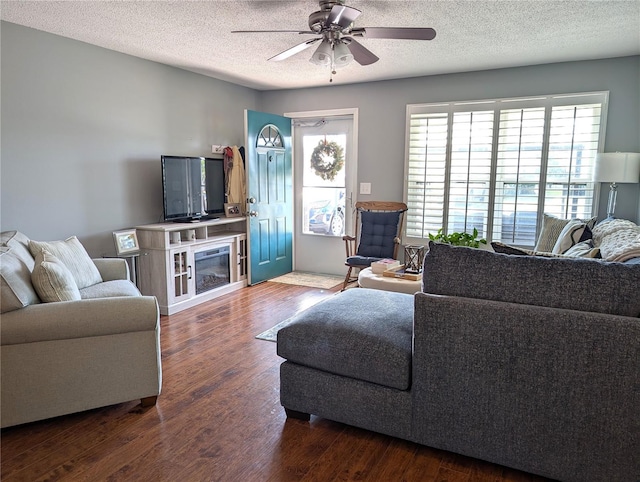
(219, 417)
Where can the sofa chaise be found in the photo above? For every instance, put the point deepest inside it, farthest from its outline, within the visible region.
(99, 347)
(525, 361)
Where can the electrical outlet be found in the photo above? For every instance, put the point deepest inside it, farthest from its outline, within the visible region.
(217, 149)
(365, 188)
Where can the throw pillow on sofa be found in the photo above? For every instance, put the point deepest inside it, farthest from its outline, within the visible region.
(570, 235)
(73, 255)
(52, 280)
(19, 244)
(583, 249)
(502, 248)
(16, 290)
(552, 226)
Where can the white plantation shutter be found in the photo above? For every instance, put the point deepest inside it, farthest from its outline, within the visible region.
(519, 165)
(573, 144)
(426, 174)
(498, 165)
(470, 175)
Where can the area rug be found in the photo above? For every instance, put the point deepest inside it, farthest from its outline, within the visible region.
(272, 333)
(312, 280)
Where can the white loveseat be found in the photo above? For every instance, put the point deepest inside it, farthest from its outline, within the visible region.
(100, 348)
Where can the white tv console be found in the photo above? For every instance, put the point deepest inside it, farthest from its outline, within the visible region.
(183, 264)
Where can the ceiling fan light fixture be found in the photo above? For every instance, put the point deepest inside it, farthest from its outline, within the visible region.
(342, 56)
(322, 55)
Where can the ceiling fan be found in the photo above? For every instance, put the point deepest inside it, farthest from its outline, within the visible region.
(333, 25)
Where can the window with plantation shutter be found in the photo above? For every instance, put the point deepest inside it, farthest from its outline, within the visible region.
(498, 165)
(426, 173)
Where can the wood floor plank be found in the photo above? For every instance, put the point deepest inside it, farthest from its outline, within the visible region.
(395, 461)
(425, 465)
(219, 417)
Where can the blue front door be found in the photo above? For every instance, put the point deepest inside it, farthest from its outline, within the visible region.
(270, 195)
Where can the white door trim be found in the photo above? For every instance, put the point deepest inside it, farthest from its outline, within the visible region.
(351, 185)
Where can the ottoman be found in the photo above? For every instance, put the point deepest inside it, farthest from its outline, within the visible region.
(368, 279)
(357, 343)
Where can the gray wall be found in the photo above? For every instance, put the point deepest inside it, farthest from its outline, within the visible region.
(382, 110)
(83, 129)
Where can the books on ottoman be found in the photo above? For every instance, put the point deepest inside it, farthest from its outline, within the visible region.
(400, 272)
(379, 267)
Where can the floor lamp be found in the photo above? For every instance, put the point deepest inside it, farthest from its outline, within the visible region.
(616, 168)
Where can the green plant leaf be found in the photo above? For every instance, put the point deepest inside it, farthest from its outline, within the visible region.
(458, 239)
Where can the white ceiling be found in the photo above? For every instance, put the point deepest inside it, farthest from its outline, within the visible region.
(471, 35)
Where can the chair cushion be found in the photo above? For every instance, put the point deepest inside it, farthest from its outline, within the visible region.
(361, 261)
(359, 333)
(378, 233)
(109, 289)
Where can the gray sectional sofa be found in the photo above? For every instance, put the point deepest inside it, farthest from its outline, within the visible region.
(524, 361)
(99, 347)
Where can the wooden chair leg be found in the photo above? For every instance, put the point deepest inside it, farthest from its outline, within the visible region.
(346, 279)
(148, 401)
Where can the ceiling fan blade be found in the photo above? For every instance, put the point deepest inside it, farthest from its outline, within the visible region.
(276, 31)
(342, 15)
(404, 33)
(360, 53)
(294, 50)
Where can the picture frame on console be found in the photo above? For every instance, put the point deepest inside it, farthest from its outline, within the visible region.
(126, 241)
(232, 210)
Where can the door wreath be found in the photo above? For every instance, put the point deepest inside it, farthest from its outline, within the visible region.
(327, 159)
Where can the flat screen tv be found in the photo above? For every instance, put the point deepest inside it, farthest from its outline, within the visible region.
(192, 188)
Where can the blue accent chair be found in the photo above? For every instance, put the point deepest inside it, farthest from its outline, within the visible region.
(378, 228)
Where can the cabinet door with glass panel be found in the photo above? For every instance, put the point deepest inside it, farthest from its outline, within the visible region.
(180, 282)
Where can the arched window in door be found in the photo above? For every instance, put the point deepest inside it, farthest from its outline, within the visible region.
(270, 137)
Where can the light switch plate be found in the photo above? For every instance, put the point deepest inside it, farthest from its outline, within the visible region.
(365, 188)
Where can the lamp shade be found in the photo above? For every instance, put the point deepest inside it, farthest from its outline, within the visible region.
(618, 167)
(342, 55)
(322, 55)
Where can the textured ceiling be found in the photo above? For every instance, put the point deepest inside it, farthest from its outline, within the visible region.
(471, 35)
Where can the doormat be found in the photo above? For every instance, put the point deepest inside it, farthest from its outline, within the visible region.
(313, 280)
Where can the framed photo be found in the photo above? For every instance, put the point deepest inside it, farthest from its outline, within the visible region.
(126, 241)
(232, 210)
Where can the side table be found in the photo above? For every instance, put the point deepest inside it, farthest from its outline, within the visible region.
(132, 261)
(367, 279)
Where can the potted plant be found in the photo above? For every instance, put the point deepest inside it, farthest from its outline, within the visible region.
(458, 239)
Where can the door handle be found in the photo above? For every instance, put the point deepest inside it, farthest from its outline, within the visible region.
(252, 200)
(253, 214)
